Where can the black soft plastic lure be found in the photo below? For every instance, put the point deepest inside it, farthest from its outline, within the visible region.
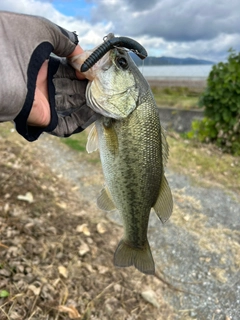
(109, 43)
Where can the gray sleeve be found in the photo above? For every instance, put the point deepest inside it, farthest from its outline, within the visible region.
(25, 42)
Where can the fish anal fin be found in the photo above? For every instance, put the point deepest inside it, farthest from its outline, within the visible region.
(140, 258)
(164, 204)
(92, 141)
(104, 201)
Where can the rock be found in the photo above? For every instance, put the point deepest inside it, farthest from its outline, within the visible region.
(63, 271)
(34, 289)
(83, 249)
(150, 297)
(28, 197)
(83, 228)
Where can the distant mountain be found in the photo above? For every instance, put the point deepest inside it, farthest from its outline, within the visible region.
(163, 61)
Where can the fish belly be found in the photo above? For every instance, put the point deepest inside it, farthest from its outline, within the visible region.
(131, 158)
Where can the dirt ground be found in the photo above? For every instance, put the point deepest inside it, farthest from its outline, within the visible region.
(56, 246)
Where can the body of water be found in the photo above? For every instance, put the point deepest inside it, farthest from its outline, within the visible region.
(163, 72)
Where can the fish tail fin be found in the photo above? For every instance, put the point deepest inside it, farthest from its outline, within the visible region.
(126, 256)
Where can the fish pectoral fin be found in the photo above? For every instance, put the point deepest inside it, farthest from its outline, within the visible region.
(104, 200)
(126, 256)
(164, 204)
(92, 141)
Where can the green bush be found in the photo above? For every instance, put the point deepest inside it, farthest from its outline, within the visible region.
(221, 102)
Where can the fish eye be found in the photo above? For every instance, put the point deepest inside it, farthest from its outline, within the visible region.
(122, 63)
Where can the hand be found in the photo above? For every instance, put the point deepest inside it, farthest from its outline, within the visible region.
(34, 91)
(70, 102)
(40, 114)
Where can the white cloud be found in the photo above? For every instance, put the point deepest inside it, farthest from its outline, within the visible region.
(201, 29)
(89, 35)
(28, 6)
(214, 49)
(205, 29)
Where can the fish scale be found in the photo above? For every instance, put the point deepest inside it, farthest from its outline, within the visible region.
(133, 151)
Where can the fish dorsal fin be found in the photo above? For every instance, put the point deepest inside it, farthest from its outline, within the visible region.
(104, 200)
(165, 149)
(92, 141)
(164, 204)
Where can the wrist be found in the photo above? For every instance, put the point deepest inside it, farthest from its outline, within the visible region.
(40, 111)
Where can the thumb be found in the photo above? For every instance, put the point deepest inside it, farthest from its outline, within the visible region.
(78, 51)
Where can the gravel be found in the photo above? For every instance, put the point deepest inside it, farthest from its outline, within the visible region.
(197, 250)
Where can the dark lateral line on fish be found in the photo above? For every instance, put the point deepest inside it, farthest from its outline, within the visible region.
(122, 42)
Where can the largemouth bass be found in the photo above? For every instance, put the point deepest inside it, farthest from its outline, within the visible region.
(133, 151)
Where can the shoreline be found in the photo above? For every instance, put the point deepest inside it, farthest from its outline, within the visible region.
(190, 82)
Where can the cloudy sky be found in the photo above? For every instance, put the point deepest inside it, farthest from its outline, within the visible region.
(188, 28)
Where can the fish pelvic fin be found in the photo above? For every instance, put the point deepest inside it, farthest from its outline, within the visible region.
(164, 204)
(104, 200)
(92, 142)
(141, 258)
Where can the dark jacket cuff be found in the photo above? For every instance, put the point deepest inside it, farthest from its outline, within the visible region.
(32, 133)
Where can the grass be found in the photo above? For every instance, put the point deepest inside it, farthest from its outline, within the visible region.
(176, 97)
(75, 144)
(78, 143)
(204, 162)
